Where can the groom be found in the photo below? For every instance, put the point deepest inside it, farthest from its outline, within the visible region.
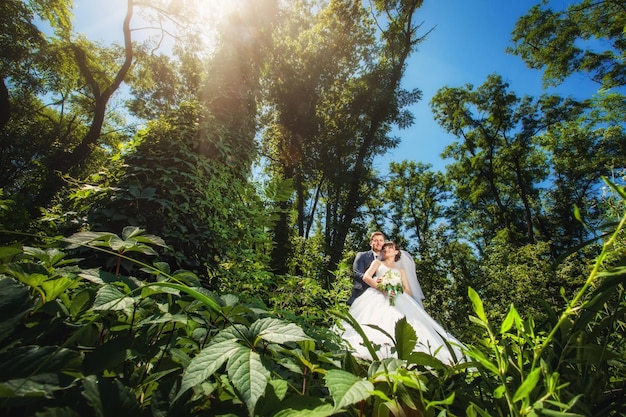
(362, 261)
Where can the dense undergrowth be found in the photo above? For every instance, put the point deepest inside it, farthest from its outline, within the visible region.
(149, 341)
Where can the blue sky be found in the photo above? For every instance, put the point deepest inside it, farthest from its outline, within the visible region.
(467, 44)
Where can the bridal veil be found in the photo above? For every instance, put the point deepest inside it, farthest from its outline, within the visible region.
(407, 263)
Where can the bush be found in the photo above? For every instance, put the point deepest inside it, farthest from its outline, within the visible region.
(88, 342)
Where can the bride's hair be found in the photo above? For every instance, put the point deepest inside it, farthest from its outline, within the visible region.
(393, 244)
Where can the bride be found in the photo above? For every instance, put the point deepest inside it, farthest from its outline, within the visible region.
(382, 306)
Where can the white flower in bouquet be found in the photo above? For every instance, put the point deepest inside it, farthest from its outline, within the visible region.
(391, 282)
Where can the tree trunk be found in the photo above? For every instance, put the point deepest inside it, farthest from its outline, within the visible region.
(64, 161)
(281, 250)
(5, 105)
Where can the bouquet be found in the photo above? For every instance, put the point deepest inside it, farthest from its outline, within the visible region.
(391, 282)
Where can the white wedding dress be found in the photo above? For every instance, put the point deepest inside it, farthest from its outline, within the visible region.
(373, 307)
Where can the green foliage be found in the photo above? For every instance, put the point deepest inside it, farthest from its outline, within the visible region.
(498, 167)
(564, 365)
(333, 93)
(177, 186)
(523, 277)
(43, 131)
(585, 36)
(86, 342)
(111, 337)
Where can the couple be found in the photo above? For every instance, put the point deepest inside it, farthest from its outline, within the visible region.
(371, 304)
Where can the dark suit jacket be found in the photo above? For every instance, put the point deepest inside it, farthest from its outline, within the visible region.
(362, 261)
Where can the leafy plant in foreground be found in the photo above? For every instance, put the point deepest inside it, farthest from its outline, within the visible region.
(111, 344)
(571, 365)
(93, 342)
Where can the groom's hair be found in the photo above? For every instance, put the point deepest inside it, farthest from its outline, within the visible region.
(393, 244)
(373, 235)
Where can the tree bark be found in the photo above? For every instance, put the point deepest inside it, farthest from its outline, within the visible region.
(5, 104)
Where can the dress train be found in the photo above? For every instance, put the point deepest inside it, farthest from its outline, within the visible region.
(373, 308)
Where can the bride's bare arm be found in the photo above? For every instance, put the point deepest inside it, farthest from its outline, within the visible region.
(368, 276)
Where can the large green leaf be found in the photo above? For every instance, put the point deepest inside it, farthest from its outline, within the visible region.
(511, 318)
(477, 303)
(137, 234)
(120, 245)
(234, 332)
(86, 238)
(101, 277)
(132, 240)
(274, 394)
(51, 257)
(109, 397)
(31, 279)
(54, 287)
(346, 388)
(14, 304)
(110, 297)
(303, 406)
(249, 376)
(206, 363)
(28, 360)
(406, 339)
(80, 301)
(36, 371)
(277, 331)
(528, 385)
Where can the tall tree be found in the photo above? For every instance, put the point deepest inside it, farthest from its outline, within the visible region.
(498, 167)
(376, 108)
(416, 196)
(581, 152)
(206, 213)
(221, 72)
(232, 90)
(584, 37)
(341, 97)
(57, 86)
(314, 58)
(188, 179)
(587, 36)
(70, 75)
